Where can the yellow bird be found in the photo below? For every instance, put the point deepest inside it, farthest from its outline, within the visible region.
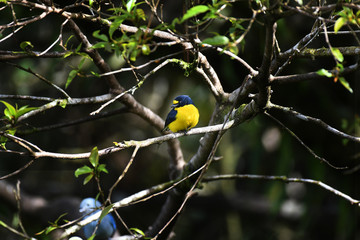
(183, 116)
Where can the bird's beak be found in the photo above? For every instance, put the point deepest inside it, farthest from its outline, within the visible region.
(175, 104)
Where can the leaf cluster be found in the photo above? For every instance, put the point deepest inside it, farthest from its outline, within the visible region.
(95, 169)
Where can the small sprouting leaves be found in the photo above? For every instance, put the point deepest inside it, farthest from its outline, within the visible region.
(336, 75)
(12, 113)
(93, 171)
(130, 5)
(73, 73)
(346, 16)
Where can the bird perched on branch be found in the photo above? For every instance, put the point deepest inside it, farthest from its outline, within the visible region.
(107, 226)
(183, 116)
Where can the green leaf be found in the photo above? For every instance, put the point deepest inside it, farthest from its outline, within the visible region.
(217, 40)
(339, 23)
(102, 37)
(234, 49)
(345, 84)
(87, 179)
(324, 72)
(68, 54)
(192, 12)
(105, 211)
(78, 48)
(83, 170)
(92, 237)
(23, 110)
(50, 229)
(102, 168)
(91, 2)
(63, 103)
(71, 76)
(94, 157)
(26, 45)
(11, 110)
(145, 49)
(100, 45)
(140, 14)
(130, 5)
(337, 54)
(138, 231)
(115, 25)
(95, 74)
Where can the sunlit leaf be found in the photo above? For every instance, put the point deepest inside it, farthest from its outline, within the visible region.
(145, 49)
(23, 110)
(11, 110)
(337, 54)
(50, 229)
(26, 45)
(217, 40)
(192, 12)
(63, 103)
(140, 14)
(345, 84)
(83, 170)
(324, 72)
(94, 157)
(138, 231)
(130, 5)
(339, 23)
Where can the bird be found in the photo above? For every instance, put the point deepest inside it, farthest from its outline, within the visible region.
(183, 115)
(107, 226)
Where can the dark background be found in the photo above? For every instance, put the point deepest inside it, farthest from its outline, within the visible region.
(241, 209)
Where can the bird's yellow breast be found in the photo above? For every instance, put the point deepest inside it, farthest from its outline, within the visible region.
(186, 118)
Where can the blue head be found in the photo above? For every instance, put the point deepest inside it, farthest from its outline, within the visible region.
(107, 225)
(182, 100)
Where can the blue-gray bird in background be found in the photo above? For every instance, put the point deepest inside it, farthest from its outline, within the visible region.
(107, 226)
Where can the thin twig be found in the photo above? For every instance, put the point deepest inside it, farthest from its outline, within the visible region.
(18, 171)
(137, 147)
(40, 77)
(283, 179)
(317, 121)
(302, 143)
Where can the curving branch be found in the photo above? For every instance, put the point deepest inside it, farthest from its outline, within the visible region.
(316, 121)
(284, 179)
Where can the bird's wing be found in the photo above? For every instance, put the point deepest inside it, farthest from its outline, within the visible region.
(170, 117)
